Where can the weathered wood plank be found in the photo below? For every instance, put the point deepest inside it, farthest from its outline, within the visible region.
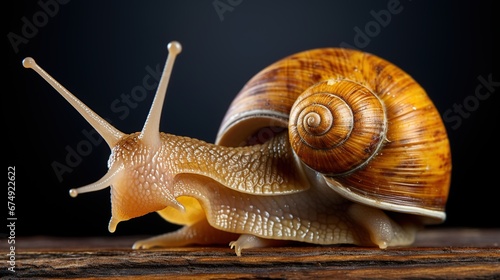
(283, 263)
(437, 254)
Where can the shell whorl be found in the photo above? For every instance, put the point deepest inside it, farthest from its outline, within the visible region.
(406, 163)
(337, 126)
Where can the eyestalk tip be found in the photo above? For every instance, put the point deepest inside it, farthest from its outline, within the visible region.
(29, 62)
(73, 193)
(174, 47)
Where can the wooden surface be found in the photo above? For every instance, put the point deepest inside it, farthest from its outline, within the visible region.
(436, 254)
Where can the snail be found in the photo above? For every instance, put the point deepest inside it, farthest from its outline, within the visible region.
(325, 146)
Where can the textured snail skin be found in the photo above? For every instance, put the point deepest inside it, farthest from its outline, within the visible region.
(255, 191)
(275, 190)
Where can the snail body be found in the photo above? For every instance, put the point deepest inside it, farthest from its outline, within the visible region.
(326, 146)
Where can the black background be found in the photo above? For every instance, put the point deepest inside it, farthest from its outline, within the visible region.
(100, 51)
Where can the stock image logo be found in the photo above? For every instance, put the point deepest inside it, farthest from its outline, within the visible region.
(32, 25)
(222, 7)
(460, 111)
(373, 28)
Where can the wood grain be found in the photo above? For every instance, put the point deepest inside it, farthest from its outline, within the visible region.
(437, 254)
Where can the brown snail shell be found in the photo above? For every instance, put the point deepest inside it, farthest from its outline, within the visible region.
(359, 120)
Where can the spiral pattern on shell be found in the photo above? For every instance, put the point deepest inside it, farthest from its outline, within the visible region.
(405, 157)
(336, 126)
